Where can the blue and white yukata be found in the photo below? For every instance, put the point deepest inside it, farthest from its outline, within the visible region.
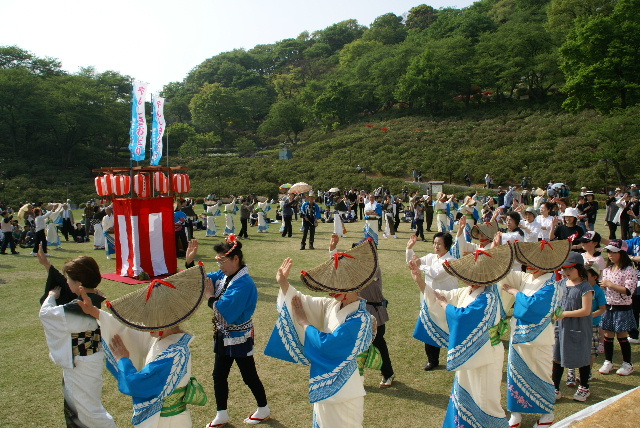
(262, 210)
(51, 230)
(427, 329)
(529, 385)
(442, 211)
(471, 213)
(229, 212)
(213, 211)
(371, 221)
(234, 304)
(156, 367)
(330, 346)
(467, 326)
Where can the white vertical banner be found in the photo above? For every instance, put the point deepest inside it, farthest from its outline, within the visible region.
(138, 131)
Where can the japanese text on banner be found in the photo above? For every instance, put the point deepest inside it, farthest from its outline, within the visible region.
(138, 132)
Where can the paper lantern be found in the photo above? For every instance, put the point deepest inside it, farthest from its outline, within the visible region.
(160, 182)
(142, 185)
(121, 184)
(181, 183)
(104, 185)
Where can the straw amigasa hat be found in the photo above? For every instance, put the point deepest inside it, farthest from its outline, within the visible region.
(543, 255)
(347, 272)
(488, 229)
(482, 267)
(162, 304)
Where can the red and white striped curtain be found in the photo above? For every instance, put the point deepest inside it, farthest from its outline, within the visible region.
(144, 235)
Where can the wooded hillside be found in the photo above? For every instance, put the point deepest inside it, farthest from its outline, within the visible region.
(546, 89)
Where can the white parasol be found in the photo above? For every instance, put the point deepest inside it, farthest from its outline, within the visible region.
(334, 189)
(300, 188)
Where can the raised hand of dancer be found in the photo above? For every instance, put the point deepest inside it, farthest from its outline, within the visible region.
(283, 274)
(42, 258)
(86, 304)
(412, 241)
(55, 292)
(118, 349)
(497, 239)
(442, 301)
(333, 243)
(509, 289)
(209, 289)
(192, 251)
(416, 273)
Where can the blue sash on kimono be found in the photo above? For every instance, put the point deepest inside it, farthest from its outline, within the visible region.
(463, 412)
(332, 356)
(469, 327)
(428, 331)
(154, 382)
(370, 233)
(526, 391)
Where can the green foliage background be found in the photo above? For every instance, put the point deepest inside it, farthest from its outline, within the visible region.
(546, 89)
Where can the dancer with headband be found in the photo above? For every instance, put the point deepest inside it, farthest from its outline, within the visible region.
(233, 296)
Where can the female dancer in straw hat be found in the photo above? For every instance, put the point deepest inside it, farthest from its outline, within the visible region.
(442, 207)
(74, 340)
(536, 294)
(328, 333)
(469, 320)
(148, 353)
(233, 296)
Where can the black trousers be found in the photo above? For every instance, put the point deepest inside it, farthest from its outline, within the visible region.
(243, 229)
(433, 354)
(624, 229)
(41, 239)
(309, 228)
(429, 220)
(612, 229)
(361, 209)
(247, 365)
(420, 228)
(67, 228)
(381, 344)
(181, 241)
(8, 241)
(288, 228)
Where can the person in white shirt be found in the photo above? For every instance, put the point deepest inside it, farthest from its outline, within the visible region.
(438, 279)
(545, 219)
(530, 226)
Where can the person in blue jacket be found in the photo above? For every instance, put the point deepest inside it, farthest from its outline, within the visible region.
(233, 296)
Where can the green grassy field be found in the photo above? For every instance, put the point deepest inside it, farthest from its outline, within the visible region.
(30, 385)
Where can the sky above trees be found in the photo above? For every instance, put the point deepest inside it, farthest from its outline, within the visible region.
(160, 41)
